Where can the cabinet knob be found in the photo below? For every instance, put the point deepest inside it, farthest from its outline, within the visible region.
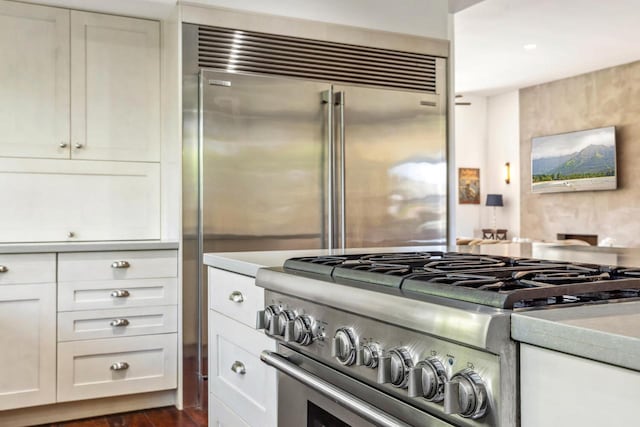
(120, 264)
(78, 145)
(119, 322)
(3, 268)
(63, 145)
(71, 234)
(239, 368)
(119, 366)
(236, 296)
(120, 293)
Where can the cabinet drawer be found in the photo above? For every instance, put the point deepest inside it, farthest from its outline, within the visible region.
(221, 416)
(235, 295)
(119, 265)
(86, 369)
(237, 376)
(120, 322)
(116, 294)
(27, 268)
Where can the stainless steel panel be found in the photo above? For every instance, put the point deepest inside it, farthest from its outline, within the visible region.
(263, 161)
(192, 365)
(396, 171)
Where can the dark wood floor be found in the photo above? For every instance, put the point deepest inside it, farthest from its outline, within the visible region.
(160, 417)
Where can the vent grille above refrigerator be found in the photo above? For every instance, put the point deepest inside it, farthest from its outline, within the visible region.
(245, 51)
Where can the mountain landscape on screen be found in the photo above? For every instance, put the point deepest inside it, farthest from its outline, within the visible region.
(590, 162)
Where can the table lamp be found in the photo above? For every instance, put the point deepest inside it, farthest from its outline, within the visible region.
(494, 200)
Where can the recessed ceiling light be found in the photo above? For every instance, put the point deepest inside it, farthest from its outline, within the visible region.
(530, 46)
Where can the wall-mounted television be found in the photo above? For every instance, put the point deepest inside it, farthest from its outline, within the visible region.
(574, 161)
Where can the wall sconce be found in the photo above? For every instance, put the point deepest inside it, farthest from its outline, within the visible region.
(507, 172)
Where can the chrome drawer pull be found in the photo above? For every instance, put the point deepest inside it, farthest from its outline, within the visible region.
(119, 322)
(120, 293)
(120, 366)
(120, 264)
(238, 368)
(3, 268)
(236, 296)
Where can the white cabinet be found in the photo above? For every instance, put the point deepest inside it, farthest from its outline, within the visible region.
(558, 389)
(34, 81)
(78, 85)
(243, 389)
(115, 88)
(117, 330)
(27, 330)
(46, 200)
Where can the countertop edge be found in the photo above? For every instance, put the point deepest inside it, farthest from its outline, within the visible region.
(596, 345)
(23, 248)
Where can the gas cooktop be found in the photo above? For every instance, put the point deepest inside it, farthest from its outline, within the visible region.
(495, 281)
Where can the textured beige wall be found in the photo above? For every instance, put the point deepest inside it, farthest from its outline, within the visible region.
(609, 97)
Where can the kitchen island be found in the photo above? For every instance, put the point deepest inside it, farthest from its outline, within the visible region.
(571, 358)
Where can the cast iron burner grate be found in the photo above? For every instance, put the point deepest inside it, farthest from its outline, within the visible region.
(489, 280)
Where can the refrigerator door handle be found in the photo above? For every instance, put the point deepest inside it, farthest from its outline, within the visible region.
(327, 98)
(340, 100)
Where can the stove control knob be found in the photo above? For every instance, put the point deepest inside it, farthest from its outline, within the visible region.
(465, 394)
(427, 380)
(300, 330)
(284, 317)
(399, 364)
(266, 318)
(368, 356)
(343, 347)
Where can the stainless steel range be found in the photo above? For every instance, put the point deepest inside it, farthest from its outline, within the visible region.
(420, 338)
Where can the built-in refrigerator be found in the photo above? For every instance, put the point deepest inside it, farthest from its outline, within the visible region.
(297, 162)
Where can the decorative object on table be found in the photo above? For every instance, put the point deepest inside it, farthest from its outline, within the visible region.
(494, 200)
(469, 186)
(507, 173)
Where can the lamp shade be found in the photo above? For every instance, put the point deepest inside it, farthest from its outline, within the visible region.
(494, 200)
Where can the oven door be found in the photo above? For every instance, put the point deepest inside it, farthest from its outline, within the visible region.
(314, 395)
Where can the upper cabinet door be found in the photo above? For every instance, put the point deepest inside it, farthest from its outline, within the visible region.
(34, 81)
(115, 88)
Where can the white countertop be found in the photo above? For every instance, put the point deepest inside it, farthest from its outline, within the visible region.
(248, 263)
(138, 245)
(608, 333)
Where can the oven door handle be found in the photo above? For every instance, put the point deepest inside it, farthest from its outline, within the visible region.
(355, 405)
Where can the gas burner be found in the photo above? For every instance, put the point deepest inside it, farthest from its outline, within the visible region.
(402, 257)
(456, 263)
(558, 277)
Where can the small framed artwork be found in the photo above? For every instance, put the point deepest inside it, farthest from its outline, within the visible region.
(469, 186)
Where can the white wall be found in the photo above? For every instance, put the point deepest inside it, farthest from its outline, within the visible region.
(503, 145)
(470, 148)
(418, 17)
(487, 135)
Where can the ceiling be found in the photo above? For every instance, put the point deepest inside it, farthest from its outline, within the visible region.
(571, 36)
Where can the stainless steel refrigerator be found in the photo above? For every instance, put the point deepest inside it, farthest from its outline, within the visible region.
(274, 162)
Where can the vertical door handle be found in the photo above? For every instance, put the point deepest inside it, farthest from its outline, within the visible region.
(340, 101)
(327, 98)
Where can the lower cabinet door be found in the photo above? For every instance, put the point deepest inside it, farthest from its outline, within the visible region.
(237, 376)
(221, 416)
(116, 366)
(27, 345)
